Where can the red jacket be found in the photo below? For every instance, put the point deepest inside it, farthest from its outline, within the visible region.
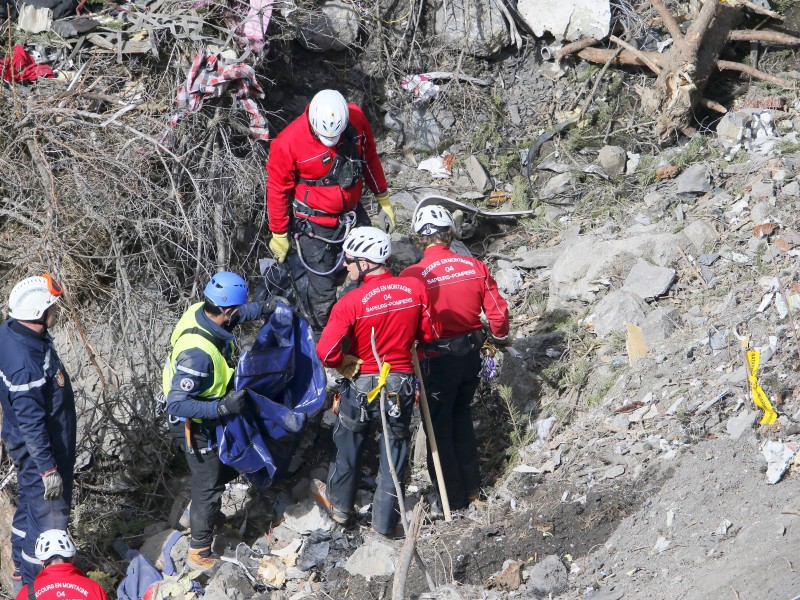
(459, 288)
(63, 581)
(398, 309)
(296, 153)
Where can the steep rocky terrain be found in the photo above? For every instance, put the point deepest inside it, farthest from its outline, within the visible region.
(622, 452)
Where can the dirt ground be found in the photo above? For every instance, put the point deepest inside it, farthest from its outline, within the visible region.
(713, 483)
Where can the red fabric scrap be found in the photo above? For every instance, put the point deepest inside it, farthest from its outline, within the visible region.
(20, 66)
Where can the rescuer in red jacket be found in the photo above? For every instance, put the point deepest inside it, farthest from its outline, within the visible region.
(397, 309)
(60, 579)
(460, 289)
(316, 172)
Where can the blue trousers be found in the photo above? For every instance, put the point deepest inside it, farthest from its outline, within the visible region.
(353, 429)
(34, 514)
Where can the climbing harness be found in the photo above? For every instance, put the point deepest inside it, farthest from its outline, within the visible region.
(303, 227)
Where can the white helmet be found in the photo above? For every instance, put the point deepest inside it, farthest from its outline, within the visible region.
(32, 296)
(430, 220)
(54, 542)
(369, 243)
(328, 115)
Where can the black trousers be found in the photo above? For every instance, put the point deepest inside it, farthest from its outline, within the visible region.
(353, 429)
(208, 478)
(450, 384)
(321, 256)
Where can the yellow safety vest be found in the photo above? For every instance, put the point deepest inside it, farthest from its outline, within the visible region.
(182, 340)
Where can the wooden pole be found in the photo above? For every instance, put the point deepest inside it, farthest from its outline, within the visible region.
(426, 413)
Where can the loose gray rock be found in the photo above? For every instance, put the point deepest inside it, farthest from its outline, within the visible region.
(762, 190)
(548, 577)
(579, 271)
(660, 324)
(614, 471)
(700, 234)
(648, 281)
(695, 180)
(403, 251)
(761, 212)
(421, 126)
(740, 423)
(333, 26)
(708, 259)
(791, 189)
(228, 583)
(477, 173)
(375, 558)
(556, 185)
(307, 516)
(509, 281)
(538, 258)
(616, 309)
(613, 160)
(478, 24)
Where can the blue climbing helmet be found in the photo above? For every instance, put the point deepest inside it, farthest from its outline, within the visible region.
(226, 289)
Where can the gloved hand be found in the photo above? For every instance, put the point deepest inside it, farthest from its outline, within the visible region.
(232, 403)
(504, 341)
(350, 366)
(386, 212)
(269, 306)
(53, 485)
(279, 246)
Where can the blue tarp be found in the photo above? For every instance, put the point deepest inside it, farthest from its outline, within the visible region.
(285, 382)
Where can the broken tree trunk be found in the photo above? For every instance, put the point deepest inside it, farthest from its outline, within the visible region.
(688, 64)
(684, 70)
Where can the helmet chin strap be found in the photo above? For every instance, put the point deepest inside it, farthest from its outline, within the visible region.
(363, 272)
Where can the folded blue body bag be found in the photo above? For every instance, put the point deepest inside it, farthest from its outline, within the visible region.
(285, 381)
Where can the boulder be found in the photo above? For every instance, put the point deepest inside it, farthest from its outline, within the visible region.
(568, 19)
(509, 281)
(477, 173)
(700, 234)
(375, 558)
(333, 26)
(612, 159)
(579, 272)
(660, 324)
(695, 180)
(307, 516)
(537, 258)
(421, 126)
(547, 578)
(647, 280)
(228, 583)
(616, 309)
(478, 24)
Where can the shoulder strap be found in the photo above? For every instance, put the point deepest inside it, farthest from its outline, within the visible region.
(219, 344)
(31, 592)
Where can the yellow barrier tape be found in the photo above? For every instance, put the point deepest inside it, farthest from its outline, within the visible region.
(381, 382)
(759, 397)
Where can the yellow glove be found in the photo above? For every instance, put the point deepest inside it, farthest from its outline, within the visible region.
(279, 246)
(350, 366)
(386, 212)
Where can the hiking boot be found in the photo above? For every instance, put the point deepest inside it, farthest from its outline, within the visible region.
(201, 559)
(319, 493)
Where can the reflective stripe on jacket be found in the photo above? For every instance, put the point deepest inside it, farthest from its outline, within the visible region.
(183, 340)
